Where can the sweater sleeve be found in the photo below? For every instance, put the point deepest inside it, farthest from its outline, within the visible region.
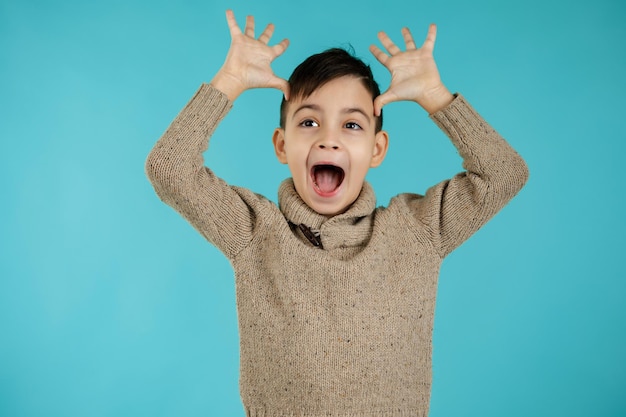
(175, 167)
(494, 173)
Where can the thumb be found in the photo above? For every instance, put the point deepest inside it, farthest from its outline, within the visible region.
(385, 98)
(280, 84)
(381, 101)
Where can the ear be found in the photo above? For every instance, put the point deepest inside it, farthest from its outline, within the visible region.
(380, 148)
(278, 138)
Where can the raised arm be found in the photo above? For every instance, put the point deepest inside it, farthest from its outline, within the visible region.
(175, 166)
(454, 209)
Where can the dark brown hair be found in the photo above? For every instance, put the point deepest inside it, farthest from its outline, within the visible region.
(318, 69)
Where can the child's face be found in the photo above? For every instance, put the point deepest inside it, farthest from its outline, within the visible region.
(329, 142)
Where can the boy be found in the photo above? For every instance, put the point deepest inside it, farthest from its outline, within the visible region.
(335, 297)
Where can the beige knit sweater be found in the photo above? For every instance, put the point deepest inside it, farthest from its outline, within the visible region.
(345, 330)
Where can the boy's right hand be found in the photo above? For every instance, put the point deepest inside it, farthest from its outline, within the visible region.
(248, 63)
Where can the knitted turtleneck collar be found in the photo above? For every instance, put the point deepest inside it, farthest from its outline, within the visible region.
(348, 229)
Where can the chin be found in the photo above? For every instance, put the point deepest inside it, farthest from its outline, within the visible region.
(329, 209)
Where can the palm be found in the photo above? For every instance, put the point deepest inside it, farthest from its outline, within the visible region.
(414, 72)
(248, 62)
(408, 66)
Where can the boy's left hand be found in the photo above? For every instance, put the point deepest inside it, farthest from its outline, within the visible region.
(414, 74)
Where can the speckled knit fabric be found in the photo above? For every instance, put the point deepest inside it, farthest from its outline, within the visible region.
(345, 330)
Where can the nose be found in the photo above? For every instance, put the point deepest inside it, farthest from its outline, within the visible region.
(325, 146)
(328, 140)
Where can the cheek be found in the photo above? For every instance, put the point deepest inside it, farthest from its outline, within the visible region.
(297, 160)
(365, 152)
(362, 159)
(295, 152)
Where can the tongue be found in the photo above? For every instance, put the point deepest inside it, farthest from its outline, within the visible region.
(327, 179)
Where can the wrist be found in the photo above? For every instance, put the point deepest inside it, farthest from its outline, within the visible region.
(436, 99)
(228, 85)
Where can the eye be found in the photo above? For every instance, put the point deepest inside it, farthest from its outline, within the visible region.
(309, 123)
(353, 126)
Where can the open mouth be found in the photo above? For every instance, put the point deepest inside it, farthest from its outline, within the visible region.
(327, 178)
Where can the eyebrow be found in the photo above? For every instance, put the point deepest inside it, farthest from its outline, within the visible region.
(346, 110)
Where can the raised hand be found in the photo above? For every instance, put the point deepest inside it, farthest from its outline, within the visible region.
(248, 63)
(414, 74)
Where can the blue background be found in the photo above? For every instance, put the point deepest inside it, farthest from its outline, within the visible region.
(111, 305)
